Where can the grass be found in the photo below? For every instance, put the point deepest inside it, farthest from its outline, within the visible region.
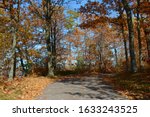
(133, 86)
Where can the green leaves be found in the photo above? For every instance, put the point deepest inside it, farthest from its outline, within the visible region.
(71, 19)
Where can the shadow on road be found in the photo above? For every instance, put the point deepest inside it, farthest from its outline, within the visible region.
(91, 88)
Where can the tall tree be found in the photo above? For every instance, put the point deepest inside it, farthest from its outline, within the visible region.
(144, 9)
(131, 35)
(119, 21)
(49, 7)
(13, 9)
(139, 32)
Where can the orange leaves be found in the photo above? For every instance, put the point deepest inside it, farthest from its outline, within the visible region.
(32, 87)
(25, 88)
(93, 8)
(78, 32)
(145, 7)
(76, 40)
(98, 21)
(131, 86)
(33, 52)
(93, 14)
(31, 8)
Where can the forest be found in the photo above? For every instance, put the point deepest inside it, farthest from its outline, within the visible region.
(55, 38)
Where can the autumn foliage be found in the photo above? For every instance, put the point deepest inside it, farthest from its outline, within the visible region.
(44, 37)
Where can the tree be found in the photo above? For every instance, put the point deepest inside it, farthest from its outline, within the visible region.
(120, 22)
(139, 32)
(49, 7)
(131, 35)
(13, 9)
(4, 39)
(144, 8)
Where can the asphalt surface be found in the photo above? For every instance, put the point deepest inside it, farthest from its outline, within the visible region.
(86, 88)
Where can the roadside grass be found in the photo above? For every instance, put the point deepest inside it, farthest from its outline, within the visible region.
(24, 88)
(133, 86)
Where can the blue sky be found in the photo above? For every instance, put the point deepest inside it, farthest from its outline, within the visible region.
(73, 5)
(76, 5)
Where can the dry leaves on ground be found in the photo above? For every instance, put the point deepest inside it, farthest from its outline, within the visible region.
(33, 86)
(132, 86)
(26, 88)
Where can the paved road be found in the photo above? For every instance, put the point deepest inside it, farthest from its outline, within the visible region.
(87, 88)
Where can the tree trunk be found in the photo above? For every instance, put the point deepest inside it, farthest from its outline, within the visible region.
(49, 50)
(131, 36)
(101, 54)
(50, 68)
(125, 48)
(48, 19)
(124, 38)
(116, 57)
(54, 32)
(15, 18)
(13, 58)
(139, 34)
(23, 67)
(1, 64)
(147, 35)
(22, 64)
